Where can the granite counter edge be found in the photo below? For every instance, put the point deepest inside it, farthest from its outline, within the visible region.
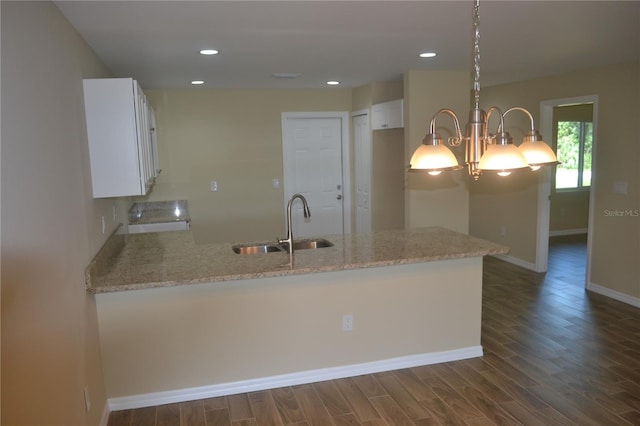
(494, 250)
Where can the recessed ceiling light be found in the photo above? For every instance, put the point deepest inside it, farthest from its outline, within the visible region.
(428, 54)
(197, 82)
(333, 83)
(208, 52)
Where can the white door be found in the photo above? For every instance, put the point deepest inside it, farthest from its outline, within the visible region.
(315, 155)
(362, 153)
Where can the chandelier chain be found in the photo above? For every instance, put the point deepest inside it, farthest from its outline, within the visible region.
(476, 54)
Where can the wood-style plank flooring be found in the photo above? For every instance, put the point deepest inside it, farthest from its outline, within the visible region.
(554, 354)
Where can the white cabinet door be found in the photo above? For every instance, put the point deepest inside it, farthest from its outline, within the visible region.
(387, 115)
(121, 150)
(145, 140)
(362, 154)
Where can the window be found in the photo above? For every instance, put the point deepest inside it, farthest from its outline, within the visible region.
(574, 140)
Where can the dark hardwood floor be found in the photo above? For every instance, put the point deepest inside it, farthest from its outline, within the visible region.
(554, 354)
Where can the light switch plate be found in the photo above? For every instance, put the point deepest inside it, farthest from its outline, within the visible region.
(620, 187)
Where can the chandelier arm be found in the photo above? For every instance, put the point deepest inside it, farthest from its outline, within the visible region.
(536, 150)
(455, 141)
(526, 111)
(500, 125)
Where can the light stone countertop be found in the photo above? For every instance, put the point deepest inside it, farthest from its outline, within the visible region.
(161, 259)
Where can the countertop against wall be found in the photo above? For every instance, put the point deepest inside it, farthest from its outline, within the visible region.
(159, 212)
(139, 261)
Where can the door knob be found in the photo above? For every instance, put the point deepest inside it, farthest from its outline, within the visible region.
(339, 197)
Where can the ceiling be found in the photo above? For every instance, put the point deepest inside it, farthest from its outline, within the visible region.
(354, 42)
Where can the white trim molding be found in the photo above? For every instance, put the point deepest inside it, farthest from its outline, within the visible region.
(616, 295)
(546, 129)
(291, 379)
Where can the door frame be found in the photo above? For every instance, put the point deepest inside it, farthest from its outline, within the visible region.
(544, 185)
(354, 115)
(346, 161)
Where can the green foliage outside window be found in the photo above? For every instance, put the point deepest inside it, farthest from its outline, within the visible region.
(574, 150)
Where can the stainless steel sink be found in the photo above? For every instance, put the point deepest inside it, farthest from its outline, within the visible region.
(255, 248)
(311, 244)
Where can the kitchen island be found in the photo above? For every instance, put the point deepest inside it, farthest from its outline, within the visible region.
(181, 321)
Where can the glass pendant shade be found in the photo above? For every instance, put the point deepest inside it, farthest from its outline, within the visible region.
(502, 158)
(537, 153)
(433, 159)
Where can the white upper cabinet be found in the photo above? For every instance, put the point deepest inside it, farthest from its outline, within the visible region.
(122, 141)
(387, 115)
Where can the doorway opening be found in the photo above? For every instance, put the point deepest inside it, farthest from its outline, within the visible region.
(565, 199)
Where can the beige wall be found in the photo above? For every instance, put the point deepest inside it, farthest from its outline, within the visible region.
(569, 212)
(387, 179)
(387, 91)
(362, 97)
(160, 340)
(435, 200)
(232, 136)
(616, 239)
(51, 226)
(504, 210)
(387, 165)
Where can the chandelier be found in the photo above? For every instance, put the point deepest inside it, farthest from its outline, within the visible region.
(485, 152)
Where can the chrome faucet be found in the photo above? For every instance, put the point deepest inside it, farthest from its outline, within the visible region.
(307, 214)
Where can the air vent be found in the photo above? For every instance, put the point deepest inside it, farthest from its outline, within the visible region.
(285, 75)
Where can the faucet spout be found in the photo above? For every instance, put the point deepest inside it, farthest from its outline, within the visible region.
(305, 211)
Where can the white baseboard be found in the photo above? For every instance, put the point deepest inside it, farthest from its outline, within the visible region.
(291, 379)
(564, 232)
(518, 262)
(621, 297)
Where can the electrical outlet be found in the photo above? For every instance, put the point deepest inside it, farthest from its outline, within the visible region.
(104, 225)
(213, 186)
(503, 230)
(347, 322)
(87, 400)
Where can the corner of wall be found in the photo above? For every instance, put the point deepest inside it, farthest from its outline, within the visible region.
(434, 200)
